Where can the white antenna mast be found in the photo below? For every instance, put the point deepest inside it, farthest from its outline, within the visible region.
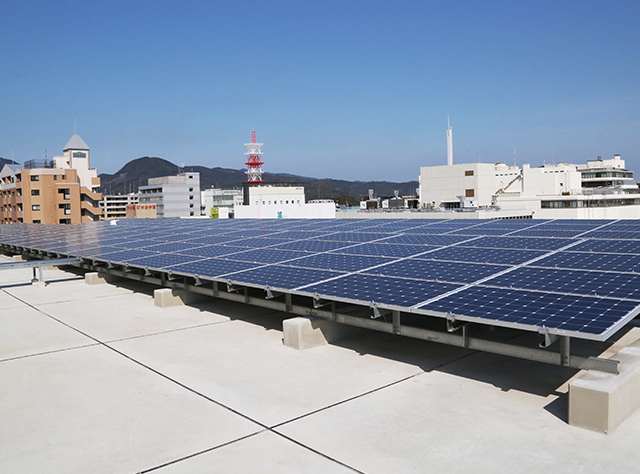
(449, 143)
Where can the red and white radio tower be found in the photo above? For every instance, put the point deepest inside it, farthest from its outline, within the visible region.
(254, 161)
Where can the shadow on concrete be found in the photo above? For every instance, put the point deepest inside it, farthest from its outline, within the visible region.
(503, 372)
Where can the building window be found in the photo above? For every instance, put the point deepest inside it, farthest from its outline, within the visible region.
(35, 192)
(190, 190)
(35, 207)
(469, 193)
(468, 173)
(35, 177)
(36, 221)
(55, 177)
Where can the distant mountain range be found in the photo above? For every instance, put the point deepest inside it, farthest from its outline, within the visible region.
(136, 172)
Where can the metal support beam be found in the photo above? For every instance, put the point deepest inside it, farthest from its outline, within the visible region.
(38, 265)
(462, 339)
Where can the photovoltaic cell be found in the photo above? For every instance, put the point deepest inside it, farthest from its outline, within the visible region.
(381, 290)
(339, 262)
(594, 283)
(585, 314)
(484, 255)
(386, 250)
(419, 269)
(210, 267)
(592, 261)
(280, 276)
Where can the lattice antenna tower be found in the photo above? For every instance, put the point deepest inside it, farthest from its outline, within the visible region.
(254, 161)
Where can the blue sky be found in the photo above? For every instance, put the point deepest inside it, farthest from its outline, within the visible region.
(342, 89)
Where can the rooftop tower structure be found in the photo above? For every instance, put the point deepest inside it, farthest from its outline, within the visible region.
(449, 143)
(254, 161)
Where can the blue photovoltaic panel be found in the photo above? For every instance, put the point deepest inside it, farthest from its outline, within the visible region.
(313, 245)
(481, 231)
(123, 256)
(393, 262)
(522, 243)
(280, 276)
(355, 237)
(170, 247)
(381, 290)
(212, 239)
(419, 269)
(91, 251)
(609, 246)
(484, 255)
(539, 232)
(386, 250)
(163, 260)
(267, 255)
(428, 239)
(210, 267)
(301, 234)
(594, 283)
(339, 262)
(592, 261)
(584, 314)
(261, 242)
(213, 251)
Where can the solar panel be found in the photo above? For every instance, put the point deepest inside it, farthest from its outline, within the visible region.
(386, 250)
(594, 283)
(580, 314)
(380, 289)
(581, 277)
(419, 269)
(484, 255)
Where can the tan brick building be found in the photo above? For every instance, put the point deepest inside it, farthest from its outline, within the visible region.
(62, 191)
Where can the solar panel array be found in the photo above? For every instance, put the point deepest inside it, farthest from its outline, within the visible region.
(579, 278)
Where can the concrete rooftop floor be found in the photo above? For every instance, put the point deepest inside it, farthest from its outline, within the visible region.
(97, 379)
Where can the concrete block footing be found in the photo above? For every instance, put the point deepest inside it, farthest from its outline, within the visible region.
(305, 333)
(18, 258)
(600, 401)
(167, 297)
(95, 278)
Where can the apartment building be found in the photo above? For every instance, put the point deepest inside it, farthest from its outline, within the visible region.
(58, 191)
(114, 206)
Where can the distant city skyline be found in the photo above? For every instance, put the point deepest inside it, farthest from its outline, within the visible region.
(348, 90)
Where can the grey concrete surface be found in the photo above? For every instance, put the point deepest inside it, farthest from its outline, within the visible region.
(97, 379)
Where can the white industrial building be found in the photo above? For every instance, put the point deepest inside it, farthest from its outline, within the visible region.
(599, 189)
(174, 196)
(273, 202)
(219, 203)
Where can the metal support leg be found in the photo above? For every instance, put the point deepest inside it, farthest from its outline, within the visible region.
(565, 350)
(396, 321)
(41, 273)
(287, 303)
